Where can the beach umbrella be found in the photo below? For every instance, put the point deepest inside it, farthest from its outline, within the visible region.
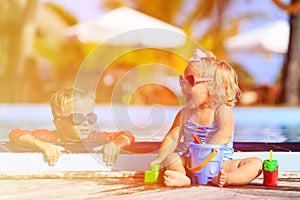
(124, 26)
(250, 48)
(271, 38)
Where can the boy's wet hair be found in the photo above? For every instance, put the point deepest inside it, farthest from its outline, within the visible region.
(62, 99)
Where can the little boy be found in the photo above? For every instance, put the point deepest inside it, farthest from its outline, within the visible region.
(73, 117)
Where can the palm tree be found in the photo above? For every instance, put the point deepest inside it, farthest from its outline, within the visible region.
(17, 21)
(290, 79)
(30, 32)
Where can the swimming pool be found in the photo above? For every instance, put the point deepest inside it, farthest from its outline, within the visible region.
(252, 124)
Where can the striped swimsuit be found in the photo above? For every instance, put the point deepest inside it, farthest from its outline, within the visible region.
(205, 133)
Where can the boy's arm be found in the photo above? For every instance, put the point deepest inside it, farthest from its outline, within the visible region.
(116, 140)
(122, 141)
(31, 139)
(38, 140)
(121, 138)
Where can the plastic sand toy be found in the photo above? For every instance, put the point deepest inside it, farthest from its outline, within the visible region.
(152, 176)
(270, 171)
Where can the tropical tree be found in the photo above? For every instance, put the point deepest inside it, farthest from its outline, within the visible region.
(290, 79)
(17, 36)
(31, 32)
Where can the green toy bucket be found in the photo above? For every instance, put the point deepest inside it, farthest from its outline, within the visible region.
(205, 161)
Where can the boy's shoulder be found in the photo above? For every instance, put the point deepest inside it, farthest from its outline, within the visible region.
(34, 131)
(41, 134)
(96, 135)
(45, 135)
(96, 132)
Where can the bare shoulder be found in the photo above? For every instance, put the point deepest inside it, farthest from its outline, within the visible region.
(180, 118)
(184, 114)
(223, 108)
(224, 111)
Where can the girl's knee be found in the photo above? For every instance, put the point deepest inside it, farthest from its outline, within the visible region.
(258, 162)
(254, 162)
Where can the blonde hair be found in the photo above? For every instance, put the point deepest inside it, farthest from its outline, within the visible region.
(224, 89)
(230, 82)
(63, 99)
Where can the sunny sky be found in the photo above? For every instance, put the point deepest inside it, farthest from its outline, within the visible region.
(82, 9)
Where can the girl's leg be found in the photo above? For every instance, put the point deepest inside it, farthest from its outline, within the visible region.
(238, 172)
(175, 174)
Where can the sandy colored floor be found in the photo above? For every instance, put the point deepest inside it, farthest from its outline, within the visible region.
(132, 187)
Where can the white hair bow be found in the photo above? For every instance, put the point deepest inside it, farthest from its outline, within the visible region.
(198, 55)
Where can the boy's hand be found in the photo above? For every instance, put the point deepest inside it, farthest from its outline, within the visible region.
(51, 152)
(110, 153)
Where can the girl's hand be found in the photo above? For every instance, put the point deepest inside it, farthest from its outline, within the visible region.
(51, 152)
(156, 161)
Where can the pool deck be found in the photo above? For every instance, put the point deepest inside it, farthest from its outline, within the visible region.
(130, 186)
(25, 175)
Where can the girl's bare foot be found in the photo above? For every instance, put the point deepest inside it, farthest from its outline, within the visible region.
(220, 179)
(173, 178)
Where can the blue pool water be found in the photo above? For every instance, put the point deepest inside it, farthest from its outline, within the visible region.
(252, 124)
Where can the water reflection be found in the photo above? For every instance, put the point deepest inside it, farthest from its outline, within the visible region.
(253, 124)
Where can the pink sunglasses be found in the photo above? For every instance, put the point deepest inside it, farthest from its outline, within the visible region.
(192, 80)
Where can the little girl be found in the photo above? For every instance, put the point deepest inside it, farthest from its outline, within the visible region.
(210, 87)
